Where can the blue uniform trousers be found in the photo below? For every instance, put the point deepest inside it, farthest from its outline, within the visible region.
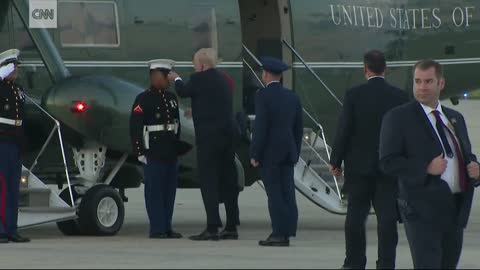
(10, 173)
(160, 191)
(282, 205)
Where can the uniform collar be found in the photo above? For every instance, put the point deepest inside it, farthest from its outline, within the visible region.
(153, 89)
(272, 82)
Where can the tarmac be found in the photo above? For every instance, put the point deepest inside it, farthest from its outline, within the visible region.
(319, 243)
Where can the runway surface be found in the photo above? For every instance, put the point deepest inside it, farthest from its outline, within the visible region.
(319, 244)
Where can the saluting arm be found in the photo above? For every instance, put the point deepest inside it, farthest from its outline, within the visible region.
(393, 161)
(136, 128)
(185, 90)
(260, 129)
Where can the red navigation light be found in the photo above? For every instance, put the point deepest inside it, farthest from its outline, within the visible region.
(79, 107)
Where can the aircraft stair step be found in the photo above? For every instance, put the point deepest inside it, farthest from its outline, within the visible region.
(320, 168)
(56, 210)
(39, 204)
(34, 190)
(318, 186)
(34, 196)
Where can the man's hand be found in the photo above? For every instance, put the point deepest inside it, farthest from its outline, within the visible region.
(437, 166)
(254, 163)
(6, 70)
(335, 171)
(188, 113)
(172, 76)
(142, 159)
(473, 170)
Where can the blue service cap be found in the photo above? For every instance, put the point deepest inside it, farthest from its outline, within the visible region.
(273, 65)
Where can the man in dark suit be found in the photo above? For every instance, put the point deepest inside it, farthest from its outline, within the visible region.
(276, 145)
(212, 111)
(426, 146)
(356, 143)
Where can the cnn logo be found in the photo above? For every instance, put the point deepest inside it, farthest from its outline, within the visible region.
(43, 13)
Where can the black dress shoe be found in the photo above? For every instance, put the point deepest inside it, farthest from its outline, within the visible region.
(205, 236)
(159, 236)
(3, 239)
(174, 235)
(228, 235)
(275, 241)
(16, 238)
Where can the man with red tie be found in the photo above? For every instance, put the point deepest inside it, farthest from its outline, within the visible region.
(426, 145)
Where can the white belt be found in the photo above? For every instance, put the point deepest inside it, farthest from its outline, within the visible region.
(11, 122)
(155, 128)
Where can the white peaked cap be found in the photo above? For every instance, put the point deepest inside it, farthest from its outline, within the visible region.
(9, 56)
(161, 63)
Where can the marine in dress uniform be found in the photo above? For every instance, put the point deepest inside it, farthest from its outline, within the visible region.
(155, 133)
(12, 102)
(276, 146)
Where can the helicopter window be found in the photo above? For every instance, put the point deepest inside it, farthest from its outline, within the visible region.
(204, 27)
(88, 24)
(22, 39)
(4, 34)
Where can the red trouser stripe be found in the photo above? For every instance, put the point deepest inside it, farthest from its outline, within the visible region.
(3, 200)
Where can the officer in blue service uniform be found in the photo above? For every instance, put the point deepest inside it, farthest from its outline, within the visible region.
(12, 102)
(276, 144)
(155, 133)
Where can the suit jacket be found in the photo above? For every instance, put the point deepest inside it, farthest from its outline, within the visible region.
(407, 146)
(212, 105)
(358, 130)
(278, 130)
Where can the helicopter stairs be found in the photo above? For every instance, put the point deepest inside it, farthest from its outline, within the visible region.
(39, 204)
(313, 178)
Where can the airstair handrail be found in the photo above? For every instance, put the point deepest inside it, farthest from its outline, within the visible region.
(59, 132)
(312, 71)
(252, 55)
(312, 148)
(253, 72)
(263, 85)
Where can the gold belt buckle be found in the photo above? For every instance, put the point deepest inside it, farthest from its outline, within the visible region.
(18, 123)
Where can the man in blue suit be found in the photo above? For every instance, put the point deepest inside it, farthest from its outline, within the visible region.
(276, 144)
(426, 145)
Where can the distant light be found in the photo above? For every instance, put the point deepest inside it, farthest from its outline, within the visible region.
(80, 107)
(465, 95)
(24, 181)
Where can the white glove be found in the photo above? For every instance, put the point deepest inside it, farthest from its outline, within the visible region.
(142, 159)
(6, 70)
